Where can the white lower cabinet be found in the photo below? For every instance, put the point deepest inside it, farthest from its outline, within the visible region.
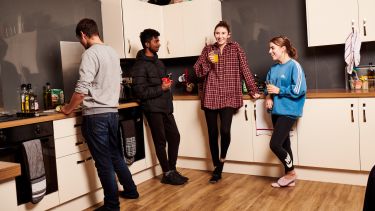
(261, 140)
(76, 172)
(76, 175)
(367, 129)
(328, 134)
(8, 195)
(193, 129)
(241, 147)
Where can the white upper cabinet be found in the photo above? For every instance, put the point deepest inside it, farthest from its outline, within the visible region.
(173, 31)
(184, 27)
(112, 25)
(138, 16)
(199, 18)
(367, 19)
(330, 22)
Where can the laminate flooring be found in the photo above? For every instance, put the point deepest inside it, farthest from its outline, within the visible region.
(239, 192)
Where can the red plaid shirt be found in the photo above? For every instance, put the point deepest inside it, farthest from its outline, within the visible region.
(222, 85)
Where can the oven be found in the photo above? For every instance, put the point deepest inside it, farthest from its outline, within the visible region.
(11, 140)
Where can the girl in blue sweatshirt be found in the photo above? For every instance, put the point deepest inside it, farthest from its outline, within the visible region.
(285, 97)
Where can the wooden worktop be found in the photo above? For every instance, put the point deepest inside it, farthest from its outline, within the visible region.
(311, 94)
(9, 170)
(44, 117)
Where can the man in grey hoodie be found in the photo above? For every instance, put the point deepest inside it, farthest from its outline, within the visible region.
(98, 89)
(151, 86)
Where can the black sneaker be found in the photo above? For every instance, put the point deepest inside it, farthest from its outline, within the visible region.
(102, 208)
(180, 175)
(215, 178)
(129, 195)
(216, 174)
(172, 178)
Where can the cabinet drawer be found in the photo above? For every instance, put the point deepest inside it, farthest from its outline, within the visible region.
(70, 145)
(76, 175)
(67, 127)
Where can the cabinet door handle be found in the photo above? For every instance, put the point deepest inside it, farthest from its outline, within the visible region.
(84, 160)
(77, 125)
(351, 111)
(364, 27)
(246, 119)
(130, 46)
(168, 48)
(353, 25)
(81, 161)
(364, 112)
(79, 143)
(255, 112)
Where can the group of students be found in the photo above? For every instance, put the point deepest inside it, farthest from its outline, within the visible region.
(221, 67)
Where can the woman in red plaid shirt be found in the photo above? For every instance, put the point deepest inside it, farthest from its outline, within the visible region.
(222, 66)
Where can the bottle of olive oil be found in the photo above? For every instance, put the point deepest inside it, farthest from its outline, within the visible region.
(23, 97)
(27, 99)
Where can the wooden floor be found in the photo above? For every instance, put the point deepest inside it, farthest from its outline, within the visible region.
(243, 192)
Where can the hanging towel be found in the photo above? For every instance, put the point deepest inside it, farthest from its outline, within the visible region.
(352, 51)
(263, 121)
(33, 156)
(128, 140)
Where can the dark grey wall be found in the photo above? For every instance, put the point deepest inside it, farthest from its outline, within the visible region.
(255, 22)
(30, 32)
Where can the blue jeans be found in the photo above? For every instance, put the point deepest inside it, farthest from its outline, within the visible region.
(101, 134)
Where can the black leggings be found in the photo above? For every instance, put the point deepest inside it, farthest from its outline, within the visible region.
(226, 115)
(280, 140)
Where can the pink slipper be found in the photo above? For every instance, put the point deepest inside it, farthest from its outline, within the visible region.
(277, 185)
(283, 181)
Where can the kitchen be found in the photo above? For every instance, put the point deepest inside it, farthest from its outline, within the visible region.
(253, 23)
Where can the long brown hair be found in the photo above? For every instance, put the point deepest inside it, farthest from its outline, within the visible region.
(284, 41)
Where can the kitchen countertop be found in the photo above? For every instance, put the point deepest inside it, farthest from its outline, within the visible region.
(9, 170)
(311, 94)
(44, 117)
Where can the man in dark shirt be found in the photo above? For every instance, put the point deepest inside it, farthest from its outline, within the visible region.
(156, 100)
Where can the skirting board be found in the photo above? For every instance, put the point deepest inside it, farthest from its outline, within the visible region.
(272, 170)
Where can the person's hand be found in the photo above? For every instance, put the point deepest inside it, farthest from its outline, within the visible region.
(272, 89)
(269, 103)
(63, 109)
(167, 83)
(255, 95)
(211, 56)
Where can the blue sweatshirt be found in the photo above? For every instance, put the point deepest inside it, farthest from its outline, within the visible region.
(290, 78)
